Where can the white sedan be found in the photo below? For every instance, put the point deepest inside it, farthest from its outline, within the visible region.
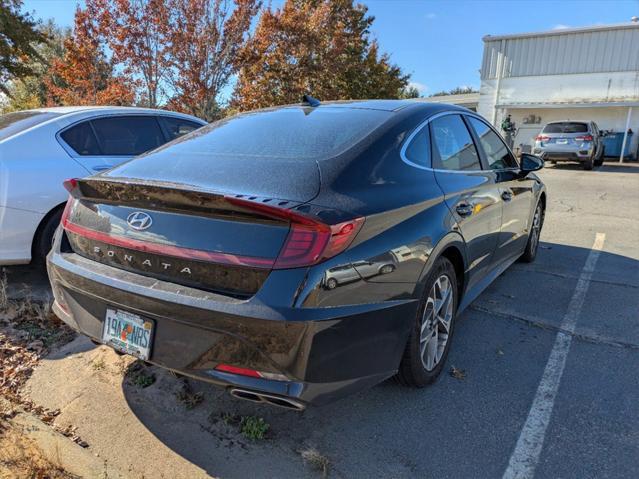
(39, 149)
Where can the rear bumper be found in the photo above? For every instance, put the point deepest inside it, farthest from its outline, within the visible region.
(325, 353)
(576, 155)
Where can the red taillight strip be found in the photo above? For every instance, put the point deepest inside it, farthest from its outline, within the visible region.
(309, 240)
(169, 250)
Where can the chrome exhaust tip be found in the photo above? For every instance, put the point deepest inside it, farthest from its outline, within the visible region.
(256, 397)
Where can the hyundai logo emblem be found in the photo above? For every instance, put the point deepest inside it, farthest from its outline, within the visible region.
(139, 220)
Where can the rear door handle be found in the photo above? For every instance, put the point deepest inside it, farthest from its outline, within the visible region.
(464, 209)
(507, 195)
(101, 167)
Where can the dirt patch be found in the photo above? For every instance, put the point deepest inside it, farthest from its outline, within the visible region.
(20, 457)
(28, 331)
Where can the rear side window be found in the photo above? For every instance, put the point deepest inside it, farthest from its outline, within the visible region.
(496, 151)
(418, 150)
(14, 123)
(176, 127)
(566, 127)
(453, 147)
(127, 135)
(81, 138)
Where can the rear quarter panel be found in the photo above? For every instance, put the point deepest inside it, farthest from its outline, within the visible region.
(32, 168)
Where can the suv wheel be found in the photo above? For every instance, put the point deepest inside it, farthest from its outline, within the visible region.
(589, 163)
(430, 338)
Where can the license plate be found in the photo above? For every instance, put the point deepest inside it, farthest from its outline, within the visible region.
(562, 141)
(128, 333)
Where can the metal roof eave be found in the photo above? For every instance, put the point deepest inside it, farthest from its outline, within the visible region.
(569, 105)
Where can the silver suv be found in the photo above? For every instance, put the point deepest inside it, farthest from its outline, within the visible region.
(571, 141)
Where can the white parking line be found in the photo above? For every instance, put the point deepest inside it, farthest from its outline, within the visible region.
(525, 457)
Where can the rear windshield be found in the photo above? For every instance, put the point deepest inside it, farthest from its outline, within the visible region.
(13, 123)
(288, 133)
(566, 127)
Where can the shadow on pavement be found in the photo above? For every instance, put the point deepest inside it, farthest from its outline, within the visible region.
(609, 166)
(384, 431)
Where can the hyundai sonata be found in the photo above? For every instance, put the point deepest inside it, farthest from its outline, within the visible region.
(294, 255)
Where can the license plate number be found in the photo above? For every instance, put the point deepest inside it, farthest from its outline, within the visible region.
(562, 141)
(128, 333)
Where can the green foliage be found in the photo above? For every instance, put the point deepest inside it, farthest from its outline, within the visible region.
(253, 427)
(31, 91)
(460, 90)
(19, 37)
(409, 92)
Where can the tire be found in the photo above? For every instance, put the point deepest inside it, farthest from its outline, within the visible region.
(588, 164)
(532, 245)
(44, 237)
(331, 283)
(600, 159)
(386, 269)
(417, 370)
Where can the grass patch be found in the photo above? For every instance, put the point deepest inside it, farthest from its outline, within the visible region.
(98, 364)
(316, 460)
(188, 397)
(254, 428)
(140, 376)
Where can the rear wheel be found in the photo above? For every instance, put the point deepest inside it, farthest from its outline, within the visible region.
(530, 253)
(432, 332)
(44, 238)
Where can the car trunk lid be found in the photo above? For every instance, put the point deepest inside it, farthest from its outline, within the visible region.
(226, 243)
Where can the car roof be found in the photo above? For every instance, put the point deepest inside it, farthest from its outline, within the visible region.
(568, 121)
(70, 110)
(385, 105)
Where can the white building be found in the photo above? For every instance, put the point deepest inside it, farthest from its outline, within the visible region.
(587, 73)
(467, 100)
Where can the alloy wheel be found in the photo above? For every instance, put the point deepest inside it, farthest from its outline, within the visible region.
(436, 322)
(536, 227)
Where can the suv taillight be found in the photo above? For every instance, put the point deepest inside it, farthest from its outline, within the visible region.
(542, 138)
(309, 240)
(584, 138)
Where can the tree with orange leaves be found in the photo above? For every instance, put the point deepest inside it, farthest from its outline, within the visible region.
(84, 76)
(206, 36)
(321, 47)
(138, 34)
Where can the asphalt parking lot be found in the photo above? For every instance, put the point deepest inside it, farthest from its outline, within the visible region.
(548, 381)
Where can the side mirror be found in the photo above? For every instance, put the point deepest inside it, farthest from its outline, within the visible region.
(530, 163)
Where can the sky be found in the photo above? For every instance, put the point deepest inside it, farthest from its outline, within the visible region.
(439, 42)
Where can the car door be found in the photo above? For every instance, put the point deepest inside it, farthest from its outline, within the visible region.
(596, 136)
(516, 191)
(104, 142)
(470, 192)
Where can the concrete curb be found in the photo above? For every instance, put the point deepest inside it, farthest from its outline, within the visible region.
(61, 451)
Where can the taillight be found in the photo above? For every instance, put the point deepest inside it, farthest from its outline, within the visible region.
(70, 184)
(309, 240)
(584, 138)
(542, 138)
